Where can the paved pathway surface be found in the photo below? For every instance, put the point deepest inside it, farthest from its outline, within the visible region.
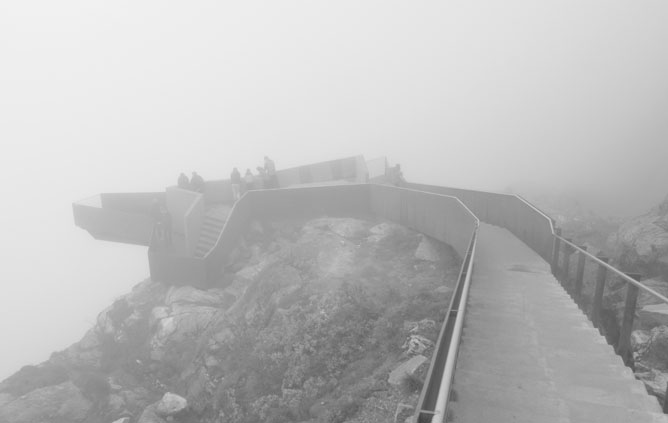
(528, 354)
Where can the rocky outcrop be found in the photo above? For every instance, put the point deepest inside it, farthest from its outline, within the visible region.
(310, 321)
(650, 354)
(63, 403)
(642, 242)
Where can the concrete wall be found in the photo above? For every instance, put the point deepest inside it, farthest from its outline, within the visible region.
(506, 211)
(179, 201)
(441, 217)
(133, 202)
(176, 269)
(219, 191)
(193, 218)
(113, 225)
(235, 226)
(333, 200)
(346, 168)
(376, 168)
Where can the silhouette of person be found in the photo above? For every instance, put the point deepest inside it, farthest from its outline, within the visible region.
(183, 181)
(235, 182)
(249, 179)
(197, 182)
(270, 168)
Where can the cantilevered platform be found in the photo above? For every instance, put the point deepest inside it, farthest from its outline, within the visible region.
(528, 354)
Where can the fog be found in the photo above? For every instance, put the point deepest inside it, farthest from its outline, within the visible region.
(540, 97)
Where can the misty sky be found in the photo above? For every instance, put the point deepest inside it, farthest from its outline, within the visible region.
(550, 96)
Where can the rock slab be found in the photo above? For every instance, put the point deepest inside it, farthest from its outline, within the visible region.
(408, 367)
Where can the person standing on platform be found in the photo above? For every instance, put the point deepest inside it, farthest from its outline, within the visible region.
(197, 182)
(183, 181)
(261, 181)
(270, 168)
(399, 180)
(235, 182)
(249, 179)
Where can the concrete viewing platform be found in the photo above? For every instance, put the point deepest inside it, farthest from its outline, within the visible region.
(529, 354)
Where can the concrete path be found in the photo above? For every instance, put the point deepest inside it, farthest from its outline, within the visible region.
(528, 354)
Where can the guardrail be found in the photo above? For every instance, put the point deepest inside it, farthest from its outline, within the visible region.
(538, 231)
(633, 286)
(435, 397)
(508, 211)
(117, 217)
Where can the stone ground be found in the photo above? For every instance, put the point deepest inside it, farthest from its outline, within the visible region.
(314, 320)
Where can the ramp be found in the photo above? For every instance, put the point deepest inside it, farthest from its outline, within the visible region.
(528, 354)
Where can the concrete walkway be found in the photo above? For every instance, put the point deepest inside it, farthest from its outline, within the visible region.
(528, 354)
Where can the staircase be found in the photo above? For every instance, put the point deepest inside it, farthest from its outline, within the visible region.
(529, 354)
(212, 225)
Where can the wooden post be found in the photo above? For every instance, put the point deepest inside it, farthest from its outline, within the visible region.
(567, 263)
(624, 344)
(555, 252)
(601, 274)
(580, 273)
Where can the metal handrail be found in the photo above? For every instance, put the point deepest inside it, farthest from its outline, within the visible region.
(608, 266)
(539, 211)
(441, 408)
(618, 272)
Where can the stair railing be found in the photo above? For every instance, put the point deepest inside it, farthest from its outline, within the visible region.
(565, 248)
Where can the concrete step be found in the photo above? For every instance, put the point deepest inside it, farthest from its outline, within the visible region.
(529, 354)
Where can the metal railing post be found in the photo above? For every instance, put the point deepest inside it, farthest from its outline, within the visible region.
(580, 273)
(566, 264)
(601, 274)
(665, 401)
(555, 251)
(624, 344)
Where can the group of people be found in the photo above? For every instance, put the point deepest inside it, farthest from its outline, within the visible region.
(195, 183)
(266, 178)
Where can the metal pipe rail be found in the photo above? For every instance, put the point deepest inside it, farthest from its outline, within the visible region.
(441, 409)
(434, 398)
(623, 347)
(613, 269)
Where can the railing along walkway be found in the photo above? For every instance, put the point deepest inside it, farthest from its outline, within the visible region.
(528, 354)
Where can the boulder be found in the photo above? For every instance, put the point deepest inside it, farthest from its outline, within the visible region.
(408, 367)
(382, 230)
(644, 239)
(443, 289)
(654, 315)
(416, 344)
(122, 420)
(656, 352)
(252, 272)
(655, 382)
(403, 413)
(639, 340)
(191, 295)
(5, 398)
(427, 251)
(149, 415)
(171, 404)
(348, 227)
(57, 403)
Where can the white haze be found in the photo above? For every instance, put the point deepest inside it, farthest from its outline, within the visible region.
(550, 96)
